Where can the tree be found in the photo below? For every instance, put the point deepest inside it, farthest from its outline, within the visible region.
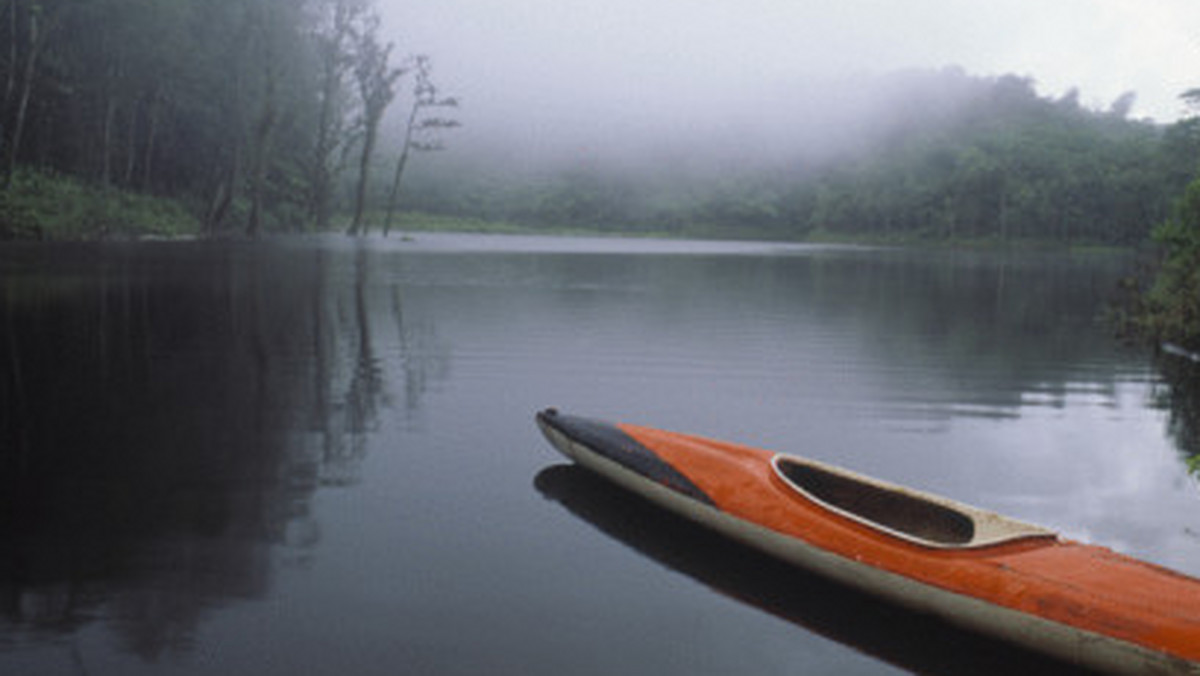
(420, 134)
(268, 53)
(250, 94)
(1123, 105)
(244, 110)
(10, 89)
(1171, 306)
(376, 80)
(30, 33)
(1191, 98)
(335, 37)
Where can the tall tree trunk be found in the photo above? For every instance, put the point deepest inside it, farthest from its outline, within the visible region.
(364, 176)
(320, 179)
(377, 85)
(334, 64)
(110, 114)
(223, 193)
(152, 114)
(400, 164)
(10, 87)
(261, 150)
(131, 153)
(394, 194)
(10, 80)
(36, 40)
(39, 35)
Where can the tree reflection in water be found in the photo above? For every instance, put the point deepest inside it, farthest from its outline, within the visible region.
(166, 416)
(1179, 396)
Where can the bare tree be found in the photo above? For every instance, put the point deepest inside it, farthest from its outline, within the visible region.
(420, 134)
(377, 88)
(1191, 99)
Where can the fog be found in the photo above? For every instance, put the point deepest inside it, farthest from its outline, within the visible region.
(581, 80)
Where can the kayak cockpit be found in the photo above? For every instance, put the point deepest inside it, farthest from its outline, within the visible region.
(895, 510)
(910, 515)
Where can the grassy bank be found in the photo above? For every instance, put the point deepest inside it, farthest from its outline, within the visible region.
(410, 222)
(980, 243)
(422, 222)
(415, 221)
(42, 206)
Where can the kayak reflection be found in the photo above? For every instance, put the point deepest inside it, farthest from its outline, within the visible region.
(908, 640)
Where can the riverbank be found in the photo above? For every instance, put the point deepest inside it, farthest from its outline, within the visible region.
(411, 223)
(44, 206)
(969, 243)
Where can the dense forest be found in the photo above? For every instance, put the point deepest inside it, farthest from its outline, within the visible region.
(238, 115)
(247, 116)
(945, 156)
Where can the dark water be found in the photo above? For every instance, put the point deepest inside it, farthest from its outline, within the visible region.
(317, 457)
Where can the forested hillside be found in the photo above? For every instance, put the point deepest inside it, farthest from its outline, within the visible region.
(247, 116)
(944, 156)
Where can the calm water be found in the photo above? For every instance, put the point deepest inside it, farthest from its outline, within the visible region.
(316, 457)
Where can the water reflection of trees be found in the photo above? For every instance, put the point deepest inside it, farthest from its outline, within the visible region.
(166, 417)
(1179, 395)
(989, 333)
(1026, 326)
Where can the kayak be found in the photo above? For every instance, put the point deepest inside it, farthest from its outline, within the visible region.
(916, 643)
(985, 572)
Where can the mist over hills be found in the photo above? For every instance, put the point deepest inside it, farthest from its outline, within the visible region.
(920, 152)
(241, 117)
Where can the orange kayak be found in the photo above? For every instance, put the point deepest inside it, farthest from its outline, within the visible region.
(1080, 603)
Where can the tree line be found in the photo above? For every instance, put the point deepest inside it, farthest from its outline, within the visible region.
(252, 113)
(950, 157)
(259, 115)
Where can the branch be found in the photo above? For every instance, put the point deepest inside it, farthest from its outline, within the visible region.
(1191, 98)
(438, 123)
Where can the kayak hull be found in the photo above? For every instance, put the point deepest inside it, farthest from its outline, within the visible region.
(1073, 644)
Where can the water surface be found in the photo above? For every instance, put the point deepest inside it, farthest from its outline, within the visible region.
(318, 455)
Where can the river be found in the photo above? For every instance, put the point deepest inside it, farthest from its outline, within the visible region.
(318, 456)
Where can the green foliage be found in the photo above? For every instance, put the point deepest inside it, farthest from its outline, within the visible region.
(1170, 309)
(955, 158)
(1178, 396)
(245, 111)
(44, 206)
(216, 103)
(1009, 166)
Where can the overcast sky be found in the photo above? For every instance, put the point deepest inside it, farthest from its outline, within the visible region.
(592, 65)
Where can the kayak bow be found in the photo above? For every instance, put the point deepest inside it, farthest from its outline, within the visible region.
(1019, 582)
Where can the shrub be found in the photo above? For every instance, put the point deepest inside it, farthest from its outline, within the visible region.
(1169, 309)
(40, 205)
